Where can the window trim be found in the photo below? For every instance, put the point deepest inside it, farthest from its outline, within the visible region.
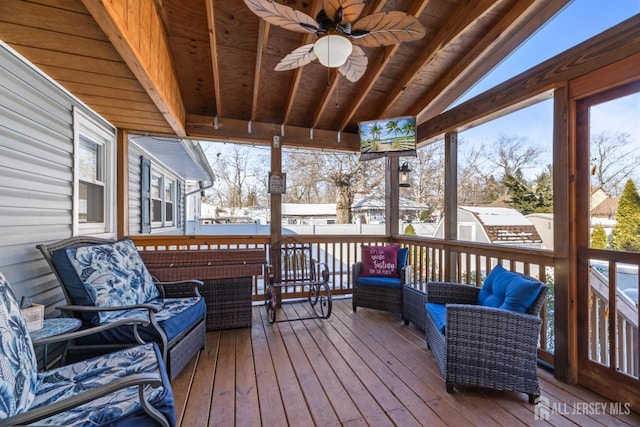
(165, 178)
(96, 131)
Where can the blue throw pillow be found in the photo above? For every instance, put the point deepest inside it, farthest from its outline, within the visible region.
(403, 256)
(509, 290)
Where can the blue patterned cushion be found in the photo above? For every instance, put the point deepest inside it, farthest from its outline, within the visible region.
(18, 364)
(509, 290)
(176, 316)
(113, 275)
(113, 408)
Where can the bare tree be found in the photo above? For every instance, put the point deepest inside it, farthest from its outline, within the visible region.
(306, 177)
(238, 178)
(471, 179)
(427, 178)
(345, 174)
(614, 160)
(511, 155)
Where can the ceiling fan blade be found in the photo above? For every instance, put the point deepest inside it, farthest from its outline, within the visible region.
(283, 16)
(297, 58)
(351, 9)
(355, 66)
(386, 28)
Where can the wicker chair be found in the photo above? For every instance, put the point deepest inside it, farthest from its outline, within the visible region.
(484, 346)
(387, 295)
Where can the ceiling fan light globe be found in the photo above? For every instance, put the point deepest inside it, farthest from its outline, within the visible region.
(332, 50)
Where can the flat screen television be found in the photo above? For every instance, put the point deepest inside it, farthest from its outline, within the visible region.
(387, 137)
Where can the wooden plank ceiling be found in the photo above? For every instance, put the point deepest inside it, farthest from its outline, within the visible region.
(204, 69)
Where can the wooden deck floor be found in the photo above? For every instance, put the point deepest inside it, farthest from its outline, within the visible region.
(363, 368)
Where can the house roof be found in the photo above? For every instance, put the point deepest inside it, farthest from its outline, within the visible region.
(205, 69)
(312, 209)
(505, 225)
(606, 208)
(185, 158)
(378, 203)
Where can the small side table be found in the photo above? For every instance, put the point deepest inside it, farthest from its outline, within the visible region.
(53, 327)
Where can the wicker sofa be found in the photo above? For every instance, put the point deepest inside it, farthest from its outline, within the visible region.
(482, 345)
(106, 281)
(381, 292)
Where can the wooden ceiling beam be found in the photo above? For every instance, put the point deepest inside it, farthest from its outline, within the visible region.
(211, 23)
(137, 32)
(374, 72)
(234, 130)
(297, 77)
(522, 20)
(263, 37)
(460, 21)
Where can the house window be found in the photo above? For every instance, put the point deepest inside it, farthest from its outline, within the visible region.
(94, 175)
(168, 202)
(162, 200)
(156, 200)
(91, 181)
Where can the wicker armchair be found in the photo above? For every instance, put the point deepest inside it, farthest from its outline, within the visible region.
(386, 293)
(484, 346)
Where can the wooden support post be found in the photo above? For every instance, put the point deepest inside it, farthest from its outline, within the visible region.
(451, 200)
(276, 214)
(122, 184)
(392, 197)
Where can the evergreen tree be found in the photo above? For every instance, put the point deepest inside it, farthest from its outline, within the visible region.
(529, 200)
(410, 230)
(598, 237)
(626, 232)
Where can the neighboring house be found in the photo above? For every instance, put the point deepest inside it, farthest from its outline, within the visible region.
(370, 210)
(504, 226)
(175, 171)
(309, 214)
(603, 206)
(58, 176)
(544, 225)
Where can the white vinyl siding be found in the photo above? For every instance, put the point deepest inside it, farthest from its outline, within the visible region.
(168, 225)
(36, 174)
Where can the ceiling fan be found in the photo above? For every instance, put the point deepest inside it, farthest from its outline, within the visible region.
(340, 33)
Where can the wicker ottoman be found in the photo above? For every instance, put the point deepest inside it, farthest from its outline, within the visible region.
(228, 302)
(413, 307)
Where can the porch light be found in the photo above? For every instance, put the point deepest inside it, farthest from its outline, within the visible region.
(404, 175)
(332, 50)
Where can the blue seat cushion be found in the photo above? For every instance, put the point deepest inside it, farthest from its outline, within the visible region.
(176, 315)
(509, 290)
(438, 313)
(382, 281)
(120, 408)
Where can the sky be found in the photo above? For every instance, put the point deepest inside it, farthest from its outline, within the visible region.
(577, 22)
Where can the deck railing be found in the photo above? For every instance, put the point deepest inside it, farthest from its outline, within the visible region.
(431, 259)
(613, 340)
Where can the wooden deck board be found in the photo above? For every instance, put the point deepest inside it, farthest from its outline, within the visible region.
(354, 369)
